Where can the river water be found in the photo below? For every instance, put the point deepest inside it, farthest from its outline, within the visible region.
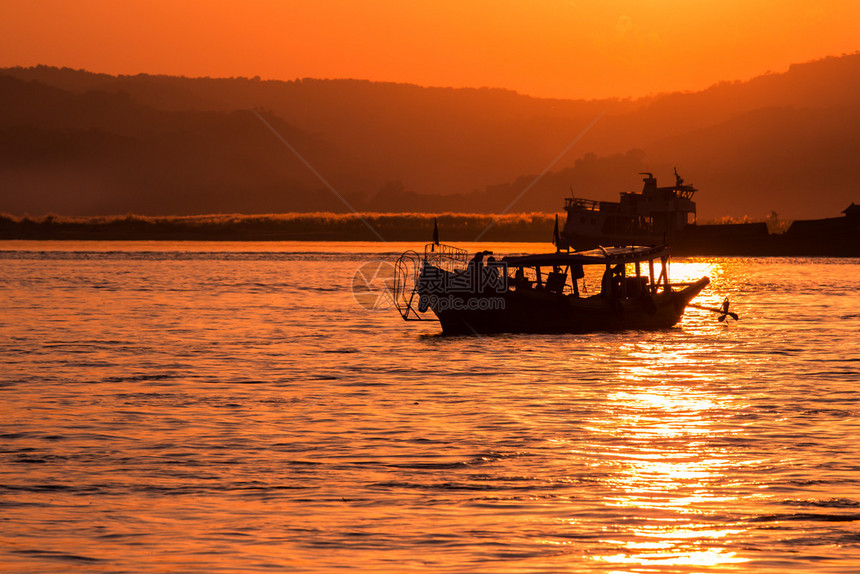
(233, 407)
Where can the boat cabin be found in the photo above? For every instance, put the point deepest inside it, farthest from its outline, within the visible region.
(624, 272)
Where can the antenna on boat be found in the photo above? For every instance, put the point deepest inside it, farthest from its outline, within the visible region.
(435, 234)
(679, 181)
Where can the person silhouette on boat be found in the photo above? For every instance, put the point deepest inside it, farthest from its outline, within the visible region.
(610, 285)
(491, 275)
(475, 270)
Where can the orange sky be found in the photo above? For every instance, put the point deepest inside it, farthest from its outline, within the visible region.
(563, 48)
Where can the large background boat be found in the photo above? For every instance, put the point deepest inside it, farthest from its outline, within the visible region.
(646, 218)
(667, 215)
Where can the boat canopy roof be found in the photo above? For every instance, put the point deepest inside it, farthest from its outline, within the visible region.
(600, 256)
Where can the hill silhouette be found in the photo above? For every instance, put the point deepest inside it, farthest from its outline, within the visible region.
(81, 143)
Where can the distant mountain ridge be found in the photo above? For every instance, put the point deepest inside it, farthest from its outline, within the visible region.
(82, 143)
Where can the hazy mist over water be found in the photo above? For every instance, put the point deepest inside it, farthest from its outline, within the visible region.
(231, 407)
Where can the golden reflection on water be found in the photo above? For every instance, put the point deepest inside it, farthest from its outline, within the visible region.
(665, 470)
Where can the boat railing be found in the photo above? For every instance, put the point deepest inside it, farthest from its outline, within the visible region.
(407, 274)
(580, 203)
(446, 257)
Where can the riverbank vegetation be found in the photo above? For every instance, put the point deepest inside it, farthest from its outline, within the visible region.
(322, 226)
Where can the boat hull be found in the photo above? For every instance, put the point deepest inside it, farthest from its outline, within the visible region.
(534, 311)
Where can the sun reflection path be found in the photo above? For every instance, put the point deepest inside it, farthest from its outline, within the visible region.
(661, 447)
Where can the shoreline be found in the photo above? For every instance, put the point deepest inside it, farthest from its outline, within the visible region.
(381, 228)
(518, 227)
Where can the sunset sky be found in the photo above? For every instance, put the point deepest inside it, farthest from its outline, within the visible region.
(556, 48)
